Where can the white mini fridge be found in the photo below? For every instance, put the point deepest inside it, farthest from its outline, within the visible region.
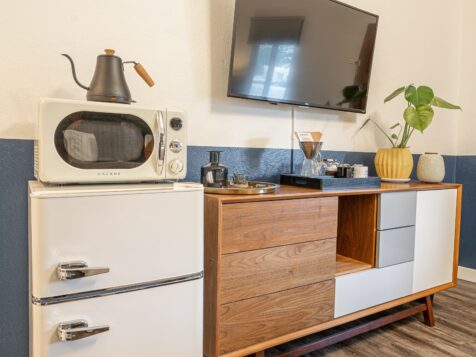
(116, 270)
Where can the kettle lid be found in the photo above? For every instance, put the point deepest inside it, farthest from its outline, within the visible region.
(109, 52)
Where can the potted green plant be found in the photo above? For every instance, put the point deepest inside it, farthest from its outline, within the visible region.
(396, 162)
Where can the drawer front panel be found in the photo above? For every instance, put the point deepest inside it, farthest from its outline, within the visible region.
(396, 209)
(264, 271)
(174, 313)
(139, 237)
(359, 291)
(249, 226)
(251, 321)
(395, 246)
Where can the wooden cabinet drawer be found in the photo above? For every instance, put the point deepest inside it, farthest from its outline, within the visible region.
(263, 271)
(256, 225)
(262, 318)
(396, 209)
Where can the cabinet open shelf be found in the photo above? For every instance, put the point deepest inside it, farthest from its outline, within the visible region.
(356, 233)
(346, 265)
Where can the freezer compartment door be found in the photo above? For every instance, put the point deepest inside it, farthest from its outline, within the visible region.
(161, 321)
(84, 243)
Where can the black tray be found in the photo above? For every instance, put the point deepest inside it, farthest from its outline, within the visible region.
(329, 183)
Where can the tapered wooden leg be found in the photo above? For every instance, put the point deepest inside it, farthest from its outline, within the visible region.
(259, 354)
(428, 313)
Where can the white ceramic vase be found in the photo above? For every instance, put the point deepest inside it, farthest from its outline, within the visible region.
(431, 167)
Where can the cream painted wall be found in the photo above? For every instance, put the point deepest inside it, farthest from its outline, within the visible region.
(185, 46)
(467, 120)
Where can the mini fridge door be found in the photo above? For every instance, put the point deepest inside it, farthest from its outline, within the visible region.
(86, 238)
(164, 321)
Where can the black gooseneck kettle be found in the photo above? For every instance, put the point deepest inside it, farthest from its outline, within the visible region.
(108, 83)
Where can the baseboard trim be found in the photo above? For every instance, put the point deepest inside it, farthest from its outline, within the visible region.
(467, 274)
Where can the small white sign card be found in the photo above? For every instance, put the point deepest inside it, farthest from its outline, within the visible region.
(308, 136)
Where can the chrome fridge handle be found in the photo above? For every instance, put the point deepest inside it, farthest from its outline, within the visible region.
(78, 329)
(76, 270)
(161, 152)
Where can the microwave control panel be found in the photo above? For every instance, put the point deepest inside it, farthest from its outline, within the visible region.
(176, 156)
(176, 123)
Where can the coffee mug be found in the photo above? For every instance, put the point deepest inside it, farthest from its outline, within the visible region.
(361, 171)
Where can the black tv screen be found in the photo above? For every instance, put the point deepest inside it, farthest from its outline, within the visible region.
(315, 53)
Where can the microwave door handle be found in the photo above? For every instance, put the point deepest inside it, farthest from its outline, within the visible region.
(161, 150)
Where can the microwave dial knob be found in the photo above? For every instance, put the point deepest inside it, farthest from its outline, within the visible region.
(176, 123)
(176, 166)
(175, 146)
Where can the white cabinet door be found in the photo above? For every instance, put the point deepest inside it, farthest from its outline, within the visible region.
(358, 291)
(434, 238)
(164, 321)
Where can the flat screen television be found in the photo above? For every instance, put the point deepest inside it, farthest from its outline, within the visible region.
(313, 53)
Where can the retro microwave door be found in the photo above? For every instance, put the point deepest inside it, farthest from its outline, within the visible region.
(93, 140)
(98, 142)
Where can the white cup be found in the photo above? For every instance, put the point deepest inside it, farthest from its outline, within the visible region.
(361, 171)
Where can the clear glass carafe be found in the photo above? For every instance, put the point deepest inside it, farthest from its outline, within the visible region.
(312, 164)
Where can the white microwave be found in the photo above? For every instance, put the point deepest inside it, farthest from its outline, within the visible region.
(89, 142)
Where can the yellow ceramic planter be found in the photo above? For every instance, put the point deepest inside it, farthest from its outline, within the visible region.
(394, 163)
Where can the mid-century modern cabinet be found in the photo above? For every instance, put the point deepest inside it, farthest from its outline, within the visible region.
(286, 265)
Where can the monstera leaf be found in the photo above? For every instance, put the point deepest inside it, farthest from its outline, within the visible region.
(441, 103)
(420, 95)
(418, 114)
(395, 93)
(419, 117)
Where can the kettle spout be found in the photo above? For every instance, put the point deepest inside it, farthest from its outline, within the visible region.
(74, 72)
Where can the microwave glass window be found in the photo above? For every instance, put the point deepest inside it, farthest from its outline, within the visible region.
(90, 140)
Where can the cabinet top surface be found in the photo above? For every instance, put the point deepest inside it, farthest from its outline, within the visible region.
(292, 192)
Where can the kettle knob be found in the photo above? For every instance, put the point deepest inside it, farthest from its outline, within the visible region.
(109, 52)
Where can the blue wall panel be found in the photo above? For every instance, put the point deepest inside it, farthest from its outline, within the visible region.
(466, 174)
(16, 168)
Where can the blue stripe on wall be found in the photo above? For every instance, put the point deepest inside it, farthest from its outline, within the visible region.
(268, 164)
(466, 174)
(16, 168)
(264, 164)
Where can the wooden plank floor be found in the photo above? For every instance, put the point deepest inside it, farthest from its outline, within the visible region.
(453, 335)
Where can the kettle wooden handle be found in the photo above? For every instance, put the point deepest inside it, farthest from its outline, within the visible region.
(143, 73)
